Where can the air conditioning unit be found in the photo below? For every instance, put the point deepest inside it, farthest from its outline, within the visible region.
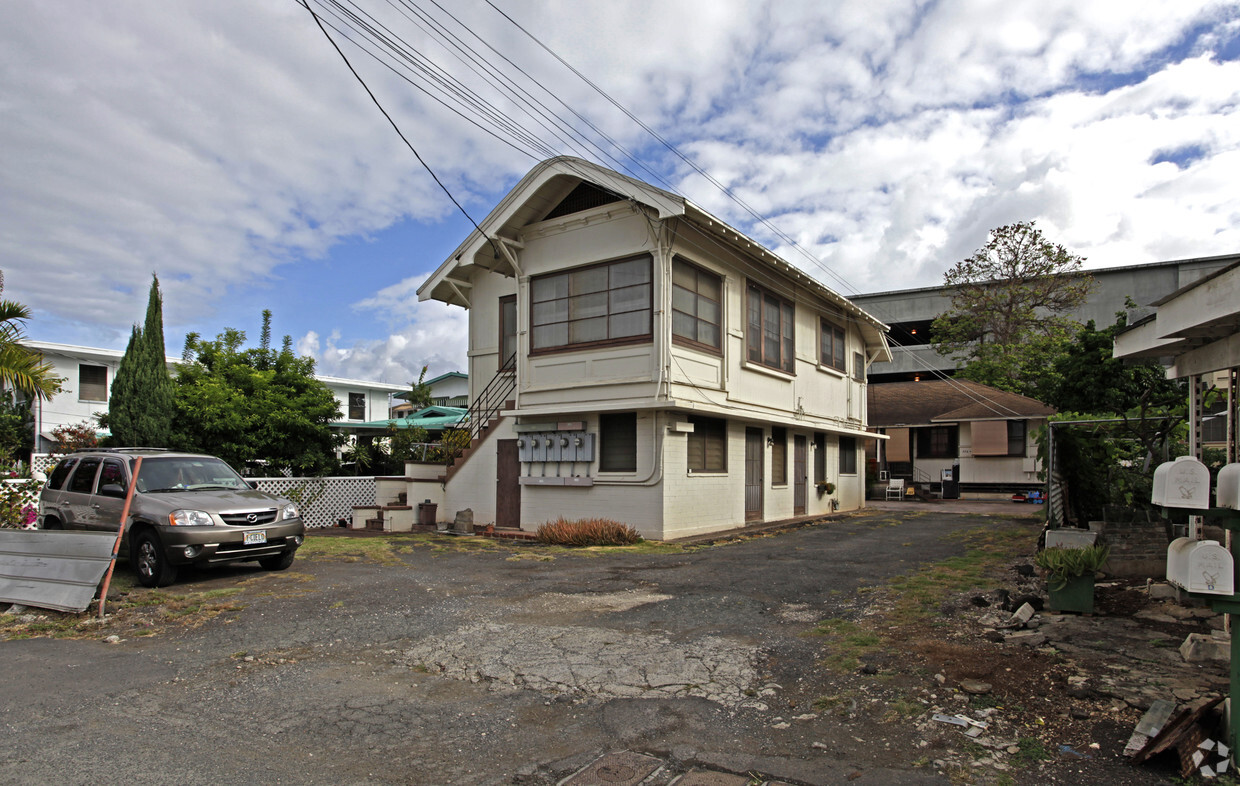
(882, 474)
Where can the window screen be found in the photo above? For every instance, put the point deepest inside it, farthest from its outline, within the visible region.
(618, 442)
(708, 445)
(92, 383)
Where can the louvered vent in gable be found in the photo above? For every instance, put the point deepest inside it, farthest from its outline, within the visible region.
(583, 197)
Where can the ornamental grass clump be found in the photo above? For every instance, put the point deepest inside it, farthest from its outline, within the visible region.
(1062, 564)
(587, 532)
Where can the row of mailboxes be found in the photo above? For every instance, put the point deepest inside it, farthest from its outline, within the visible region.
(1201, 566)
(1185, 483)
(555, 446)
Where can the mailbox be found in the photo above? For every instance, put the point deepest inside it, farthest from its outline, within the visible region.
(1201, 566)
(1183, 483)
(1227, 492)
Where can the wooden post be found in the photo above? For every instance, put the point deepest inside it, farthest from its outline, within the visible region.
(120, 533)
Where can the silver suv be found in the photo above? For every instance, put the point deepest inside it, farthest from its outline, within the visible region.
(187, 509)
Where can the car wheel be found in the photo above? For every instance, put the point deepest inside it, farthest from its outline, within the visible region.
(278, 562)
(150, 562)
(51, 522)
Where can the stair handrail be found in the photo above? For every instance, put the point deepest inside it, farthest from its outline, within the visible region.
(489, 402)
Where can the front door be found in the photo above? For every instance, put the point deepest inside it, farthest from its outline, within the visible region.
(754, 475)
(799, 476)
(507, 484)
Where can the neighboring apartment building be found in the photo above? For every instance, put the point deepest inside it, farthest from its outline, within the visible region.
(909, 312)
(88, 373)
(970, 440)
(649, 364)
(447, 390)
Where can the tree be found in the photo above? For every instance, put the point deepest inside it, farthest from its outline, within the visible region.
(1008, 317)
(419, 394)
(257, 409)
(16, 430)
(20, 368)
(142, 404)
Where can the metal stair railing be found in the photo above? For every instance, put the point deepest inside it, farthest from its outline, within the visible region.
(489, 402)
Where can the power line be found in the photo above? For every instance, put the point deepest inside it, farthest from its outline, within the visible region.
(395, 127)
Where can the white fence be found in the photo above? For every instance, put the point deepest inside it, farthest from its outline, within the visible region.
(323, 501)
(29, 496)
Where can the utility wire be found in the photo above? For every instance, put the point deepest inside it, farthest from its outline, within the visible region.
(395, 127)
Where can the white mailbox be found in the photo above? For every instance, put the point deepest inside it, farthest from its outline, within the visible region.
(1183, 483)
(1201, 566)
(1227, 492)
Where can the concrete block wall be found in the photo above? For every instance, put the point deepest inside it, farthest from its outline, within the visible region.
(1138, 545)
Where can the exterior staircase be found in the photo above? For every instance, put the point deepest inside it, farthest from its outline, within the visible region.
(483, 415)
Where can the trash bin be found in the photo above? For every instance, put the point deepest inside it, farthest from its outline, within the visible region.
(426, 513)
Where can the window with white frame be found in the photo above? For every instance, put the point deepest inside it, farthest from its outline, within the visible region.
(92, 382)
(831, 345)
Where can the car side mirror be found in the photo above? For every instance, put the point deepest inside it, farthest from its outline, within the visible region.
(112, 490)
(252, 484)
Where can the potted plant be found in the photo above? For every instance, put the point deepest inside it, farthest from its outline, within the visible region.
(824, 487)
(1070, 575)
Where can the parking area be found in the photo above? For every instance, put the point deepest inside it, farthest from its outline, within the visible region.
(443, 663)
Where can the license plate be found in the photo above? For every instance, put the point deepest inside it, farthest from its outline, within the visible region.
(255, 538)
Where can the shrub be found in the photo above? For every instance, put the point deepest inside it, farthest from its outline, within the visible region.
(587, 532)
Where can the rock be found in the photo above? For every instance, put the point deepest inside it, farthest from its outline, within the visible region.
(1029, 638)
(781, 725)
(822, 746)
(1025, 570)
(1022, 614)
(1032, 600)
(1080, 692)
(940, 679)
(1163, 592)
(979, 601)
(869, 669)
(1079, 713)
(1202, 647)
(976, 687)
(113, 639)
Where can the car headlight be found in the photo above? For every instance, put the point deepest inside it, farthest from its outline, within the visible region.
(290, 512)
(190, 518)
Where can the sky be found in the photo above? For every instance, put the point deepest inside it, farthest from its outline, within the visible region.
(227, 148)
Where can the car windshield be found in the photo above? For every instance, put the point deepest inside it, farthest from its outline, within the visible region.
(187, 473)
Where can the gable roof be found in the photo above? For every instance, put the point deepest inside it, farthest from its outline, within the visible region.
(551, 181)
(947, 401)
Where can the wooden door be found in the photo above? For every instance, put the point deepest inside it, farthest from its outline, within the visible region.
(799, 476)
(754, 474)
(507, 484)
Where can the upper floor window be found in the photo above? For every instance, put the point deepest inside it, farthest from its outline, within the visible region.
(92, 383)
(608, 303)
(831, 345)
(768, 333)
(697, 317)
(357, 406)
(507, 330)
(858, 367)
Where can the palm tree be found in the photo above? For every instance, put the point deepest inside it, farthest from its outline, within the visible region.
(21, 369)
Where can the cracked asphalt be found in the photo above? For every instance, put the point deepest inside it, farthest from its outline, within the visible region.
(482, 668)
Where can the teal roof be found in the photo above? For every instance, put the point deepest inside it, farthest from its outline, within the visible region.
(431, 418)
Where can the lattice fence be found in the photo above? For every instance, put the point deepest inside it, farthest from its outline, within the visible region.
(323, 501)
(25, 496)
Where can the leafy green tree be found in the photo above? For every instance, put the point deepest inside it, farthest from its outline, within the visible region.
(142, 404)
(257, 409)
(20, 368)
(16, 430)
(419, 394)
(1008, 318)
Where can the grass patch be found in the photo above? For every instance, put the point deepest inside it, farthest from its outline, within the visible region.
(849, 642)
(1031, 751)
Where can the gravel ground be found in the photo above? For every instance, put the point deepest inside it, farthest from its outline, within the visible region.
(514, 666)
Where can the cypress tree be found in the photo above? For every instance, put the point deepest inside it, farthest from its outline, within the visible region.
(142, 405)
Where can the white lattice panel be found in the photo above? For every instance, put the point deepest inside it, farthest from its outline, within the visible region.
(322, 500)
(29, 497)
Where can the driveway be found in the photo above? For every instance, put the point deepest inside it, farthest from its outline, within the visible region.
(497, 666)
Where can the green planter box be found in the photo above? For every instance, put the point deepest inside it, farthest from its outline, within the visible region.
(1077, 595)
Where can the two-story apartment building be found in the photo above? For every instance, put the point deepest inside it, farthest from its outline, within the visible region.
(649, 364)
